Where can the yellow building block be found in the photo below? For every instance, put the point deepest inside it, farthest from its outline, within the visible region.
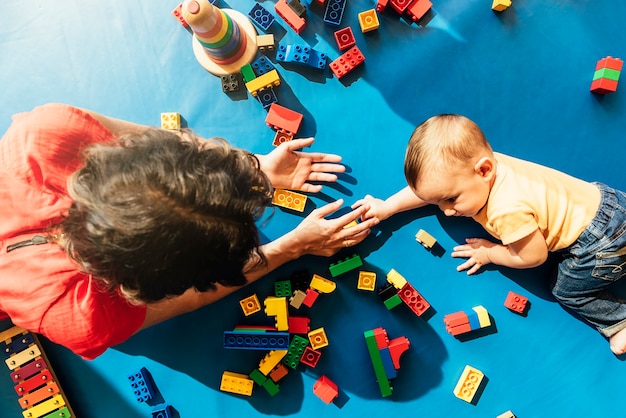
(322, 284)
(483, 316)
(425, 239)
(396, 279)
(351, 224)
(267, 80)
(250, 305)
(468, 384)
(265, 42)
(367, 281)
(290, 200)
(500, 5)
(170, 121)
(278, 308)
(318, 338)
(368, 20)
(271, 360)
(236, 383)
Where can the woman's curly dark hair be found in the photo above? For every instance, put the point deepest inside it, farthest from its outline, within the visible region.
(155, 215)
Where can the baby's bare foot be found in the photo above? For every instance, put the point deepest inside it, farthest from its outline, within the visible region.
(618, 342)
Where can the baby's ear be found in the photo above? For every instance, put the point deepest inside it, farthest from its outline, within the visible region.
(485, 167)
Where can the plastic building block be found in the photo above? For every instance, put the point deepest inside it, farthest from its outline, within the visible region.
(606, 75)
(318, 338)
(381, 5)
(500, 5)
(344, 266)
(367, 281)
(254, 340)
(507, 414)
(262, 66)
(257, 377)
(297, 298)
(334, 12)
(310, 298)
(170, 121)
(265, 42)
(271, 360)
(279, 372)
(299, 324)
(424, 238)
(325, 389)
(236, 383)
(297, 7)
(468, 384)
(267, 97)
(278, 308)
(178, 15)
(254, 328)
(289, 200)
(300, 280)
(385, 356)
(396, 279)
(296, 349)
(413, 299)
(460, 322)
(267, 80)
(378, 345)
(280, 117)
(290, 17)
(271, 387)
(248, 73)
(347, 62)
(400, 5)
(368, 20)
(295, 54)
(282, 288)
(261, 16)
(317, 59)
(392, 302)
(230, 83)
(397, 347)
(141, 382)
(322, 285)
(418, 9)
(515, 302)
(163, 412)
(281, 136)
(351, 224)
(345, 38)
(250, 305)
(310, 357)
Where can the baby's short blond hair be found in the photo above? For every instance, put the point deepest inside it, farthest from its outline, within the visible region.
(443, 142)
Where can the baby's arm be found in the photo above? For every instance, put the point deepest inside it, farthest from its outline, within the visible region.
(402, 201)
(530, 251)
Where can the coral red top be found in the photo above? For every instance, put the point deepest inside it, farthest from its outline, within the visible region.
(41, 289)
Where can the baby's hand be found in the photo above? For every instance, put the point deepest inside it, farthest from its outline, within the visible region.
(377, 208)
(476, 250)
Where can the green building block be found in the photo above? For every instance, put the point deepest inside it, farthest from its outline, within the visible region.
(296, 348)
(271, 387)
(258, 377)
(377, 362)
(346, 265)
(282, 288)
(248, 73)
(608, 73)
(393, 301)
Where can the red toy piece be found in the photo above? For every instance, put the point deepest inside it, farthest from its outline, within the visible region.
(310, 357)
(381, 5)
(418, 9)
(281, 118)
(299, 325)
(178, 15)
(347, 62)
(345, 38)
(400, 5)
(397, 346)
(290, 17)
(310, 298)
(413, 299)
(516, 303)
(325, 389)
(457, 323)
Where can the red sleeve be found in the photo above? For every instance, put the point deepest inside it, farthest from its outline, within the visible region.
(45, 145)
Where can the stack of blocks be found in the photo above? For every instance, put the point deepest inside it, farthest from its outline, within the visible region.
(606, 75)
(385, 356)
(399, 290)
(414, 9)
(460, 322)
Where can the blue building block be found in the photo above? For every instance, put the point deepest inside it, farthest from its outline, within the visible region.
(163, 412)
(295, 54)
(473, 320)
(261, 66)
(267, 97)
(261, 16)
(317, 59)
(334, 12)
(270, 340)
(141, 382)
(390, 371)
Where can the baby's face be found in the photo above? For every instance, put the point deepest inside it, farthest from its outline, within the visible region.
(462, 193)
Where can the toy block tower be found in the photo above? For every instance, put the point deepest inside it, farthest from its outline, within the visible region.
(223, 40)
(606, 75)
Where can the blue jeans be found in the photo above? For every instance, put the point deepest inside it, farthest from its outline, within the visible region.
(593, 263)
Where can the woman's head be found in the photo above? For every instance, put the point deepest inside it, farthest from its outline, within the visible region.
(157, 215)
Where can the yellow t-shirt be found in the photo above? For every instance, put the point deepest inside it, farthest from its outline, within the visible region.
(527, 196)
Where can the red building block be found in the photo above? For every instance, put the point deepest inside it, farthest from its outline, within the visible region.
(278, 372)
(290, 17)
(397, 346)
(457, 323)
(178, 15)
(382, 340)
(610, 62)
(281, 118)
(516, 303)
(347, 62)
(400, 5)
(310, 357)
(418, 9)
(310, 298)
(413, 299)
(381, 5)
(299, 325)
(281, 136)
(345, 38)
(325, 389)
(603, 86)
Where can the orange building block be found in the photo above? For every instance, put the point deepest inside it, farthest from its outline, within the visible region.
(325, 389)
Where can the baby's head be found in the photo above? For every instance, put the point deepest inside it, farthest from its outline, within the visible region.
(448, 155)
